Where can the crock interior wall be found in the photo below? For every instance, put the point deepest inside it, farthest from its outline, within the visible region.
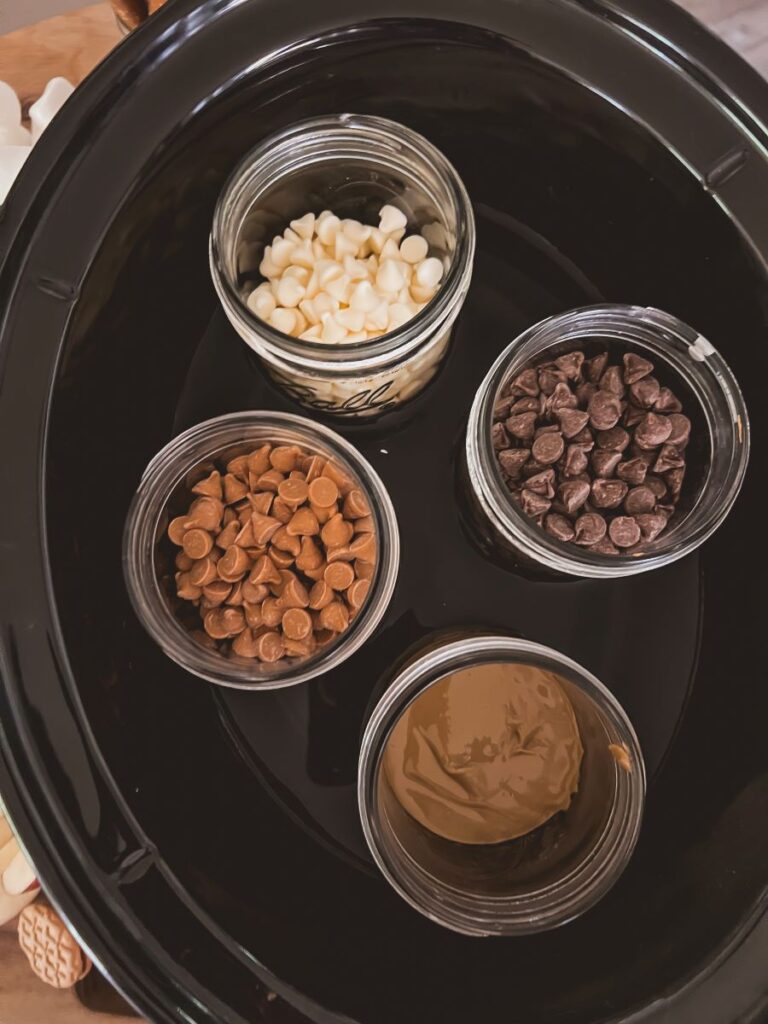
(629, 224)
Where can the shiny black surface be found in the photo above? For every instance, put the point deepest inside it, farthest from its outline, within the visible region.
(203, 840)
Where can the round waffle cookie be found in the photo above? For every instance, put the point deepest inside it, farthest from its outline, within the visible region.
(53, 954)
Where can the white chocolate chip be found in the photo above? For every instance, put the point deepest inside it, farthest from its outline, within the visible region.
(378, 318)
(332, 331)
(392, 219)
(327, 270)
(399, 314)
(429, 272)
(325, 304)
(304, 226)
(389, 277)
(307, 307)
(352, 319)
(339, 288)
(312, 286)
(356, 270)
(281, 252)
(421, 295)
(300, 325)
(356, 232)
(300, 274)
(311, 333)
(283, 320)
(390, 250)
(303, 256)
(344, 246)
(262, 302)
(377, 240)
(414, 249)
(363, 297)
(327, 229)
(290, 235)
(289, 292)
(356, 336)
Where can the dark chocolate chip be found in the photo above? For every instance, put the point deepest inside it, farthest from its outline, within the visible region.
(657, 485)
(632, 415)
(547, 448)
(526, 404)
(559, 526)
(499, 436)
(652, 430)
(681, 429)
(604, 410)
(533, 467)
(674, 480)
(605, 463)
(525, 383)
(633, 471)
(638, 500)
(512, 461)
(667, 402)
(612, 381)
(585, 438)
(522, 425)
(572, 421)
(651, 524)
(501, 408)
(561, 398)
(614, 440)
(543, 483)
(590, 528)
(573, 494)
(604, 547)
(624, 531)
(670, 457)
(533, 504)
(635, 367)
(645, 392)
(575, 460)
(550, 428)
(549, 378)
(584, 392)
(571, 364)
(593, 368)
(608, 493)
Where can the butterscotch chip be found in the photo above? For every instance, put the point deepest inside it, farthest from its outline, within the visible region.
(245, 644)
(52, 952)
(253, 615)
(234, 489)
(365, 525)
(239, 467)
(245, 537)
(284, 457)
(339, 575)
(285, 578)
(202, 638)
(310, 556)
(364, 547)
(203, 572)
(185, 588)
(357, 593)
(316, 574)
(262, 502)
(197, 543)
(299, 648)
(323, 492)
(254, 593)
(270, 647)
(221, 623)
(364, 570)
(235, 599)
(282, 559)
(334, 472)
(297, 624)
(620, 754)
(337, 531)
(272, 613)
(293, 491)
(335, 616)
(324, 514)
(281, 509)
(210, 486)
(258, 461)
(264, 528)
(321, 595)
(340, 553)
(313, 467)
(355, 506)
(183, 562)
(176, 530)
(229, 516)
(233, 564)
(226, 538)
(286, 541)
(264, 571)
(303, 523)
(131, 12)
(216, 593)
(294, 595)
(271, 480)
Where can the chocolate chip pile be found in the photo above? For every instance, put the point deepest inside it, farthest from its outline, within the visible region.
(594, 453)
(277, 553)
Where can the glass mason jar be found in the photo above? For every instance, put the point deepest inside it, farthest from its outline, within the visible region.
(164, 493)
(717, 454)
(541, 879)
(352, 165)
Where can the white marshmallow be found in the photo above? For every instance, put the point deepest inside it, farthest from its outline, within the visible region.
(304, 226)
(414, 249)
(429, 272)
(283, 320)
(289, 292)
(392, 219)
(332, 331)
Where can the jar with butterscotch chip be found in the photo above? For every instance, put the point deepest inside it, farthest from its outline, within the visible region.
(261, 550)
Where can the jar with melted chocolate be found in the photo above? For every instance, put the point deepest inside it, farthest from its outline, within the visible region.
(500, 786)
(685, 375)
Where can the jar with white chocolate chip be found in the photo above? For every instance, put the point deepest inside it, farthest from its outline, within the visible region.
(342, 252)
(605, 441)
(261, 550)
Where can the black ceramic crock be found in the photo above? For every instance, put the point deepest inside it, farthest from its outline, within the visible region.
(205, 847)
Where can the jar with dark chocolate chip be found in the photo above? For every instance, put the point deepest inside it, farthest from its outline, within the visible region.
(233, 526)
(604, 442)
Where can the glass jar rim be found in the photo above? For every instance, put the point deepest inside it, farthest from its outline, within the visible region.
(399, 342)
(573, 893)
(166, 470)
(620, 322)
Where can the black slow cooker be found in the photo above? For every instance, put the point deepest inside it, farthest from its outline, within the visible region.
(205, 847)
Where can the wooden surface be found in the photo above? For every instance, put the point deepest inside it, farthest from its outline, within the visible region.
(70, 45)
